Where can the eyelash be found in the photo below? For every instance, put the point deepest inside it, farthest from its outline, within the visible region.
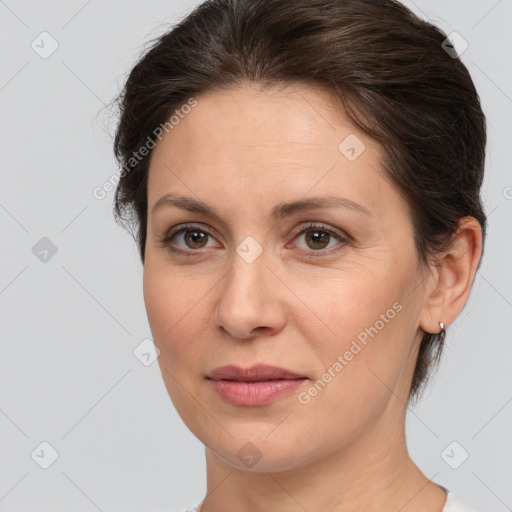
(166, 240)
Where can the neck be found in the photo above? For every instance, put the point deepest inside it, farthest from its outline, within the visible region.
(372, 473)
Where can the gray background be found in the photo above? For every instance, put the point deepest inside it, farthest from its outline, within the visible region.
(69, 325)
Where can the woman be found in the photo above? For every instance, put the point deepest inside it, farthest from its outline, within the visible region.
(304, 182)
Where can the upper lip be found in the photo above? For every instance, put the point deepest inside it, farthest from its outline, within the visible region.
(258, 372)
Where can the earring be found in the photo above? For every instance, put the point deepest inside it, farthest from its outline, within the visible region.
(443, 330)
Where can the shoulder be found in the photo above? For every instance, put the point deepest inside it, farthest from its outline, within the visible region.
(454, 503)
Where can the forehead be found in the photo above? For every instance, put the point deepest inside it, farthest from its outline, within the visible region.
(286, 119)
(246, 142)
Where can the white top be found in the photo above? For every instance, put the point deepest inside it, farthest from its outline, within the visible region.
(454, 503)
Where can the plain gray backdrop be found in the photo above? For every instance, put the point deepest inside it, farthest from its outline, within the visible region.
(71, 304)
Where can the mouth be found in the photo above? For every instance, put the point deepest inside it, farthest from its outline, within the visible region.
(256, 373)
(254, 380)
(258, 385)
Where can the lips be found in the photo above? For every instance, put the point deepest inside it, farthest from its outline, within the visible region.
(256, 373)
(257, 386)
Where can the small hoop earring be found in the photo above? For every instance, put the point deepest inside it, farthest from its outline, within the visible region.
(443, 330)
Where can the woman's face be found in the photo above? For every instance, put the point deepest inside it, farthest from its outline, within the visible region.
(338, 303)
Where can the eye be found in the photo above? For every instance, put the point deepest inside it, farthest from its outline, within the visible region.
(192, 236)
(318, 237)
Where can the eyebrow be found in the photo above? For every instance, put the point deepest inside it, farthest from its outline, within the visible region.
(279, 211)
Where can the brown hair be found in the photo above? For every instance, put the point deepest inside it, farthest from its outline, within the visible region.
(387, 67)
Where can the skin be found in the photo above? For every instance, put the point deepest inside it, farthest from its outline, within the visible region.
(243, 151)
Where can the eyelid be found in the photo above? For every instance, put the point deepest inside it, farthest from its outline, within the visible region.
(320, 226)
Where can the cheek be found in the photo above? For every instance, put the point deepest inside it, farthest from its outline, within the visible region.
(349, 306)
(160, 301)
(179, 312)
(363, 323)
(168, 307)
(169, 311)
(356, 369)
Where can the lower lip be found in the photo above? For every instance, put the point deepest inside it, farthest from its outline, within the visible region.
(254, 393)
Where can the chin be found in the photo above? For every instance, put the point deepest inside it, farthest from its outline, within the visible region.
(258, 453)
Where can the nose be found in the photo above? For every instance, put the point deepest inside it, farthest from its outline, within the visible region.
(250, 300)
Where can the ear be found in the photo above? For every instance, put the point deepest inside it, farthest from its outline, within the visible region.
(454, 273)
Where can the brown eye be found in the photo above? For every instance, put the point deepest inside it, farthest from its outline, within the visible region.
(195, 239)
(318, 237)
(186, 239)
